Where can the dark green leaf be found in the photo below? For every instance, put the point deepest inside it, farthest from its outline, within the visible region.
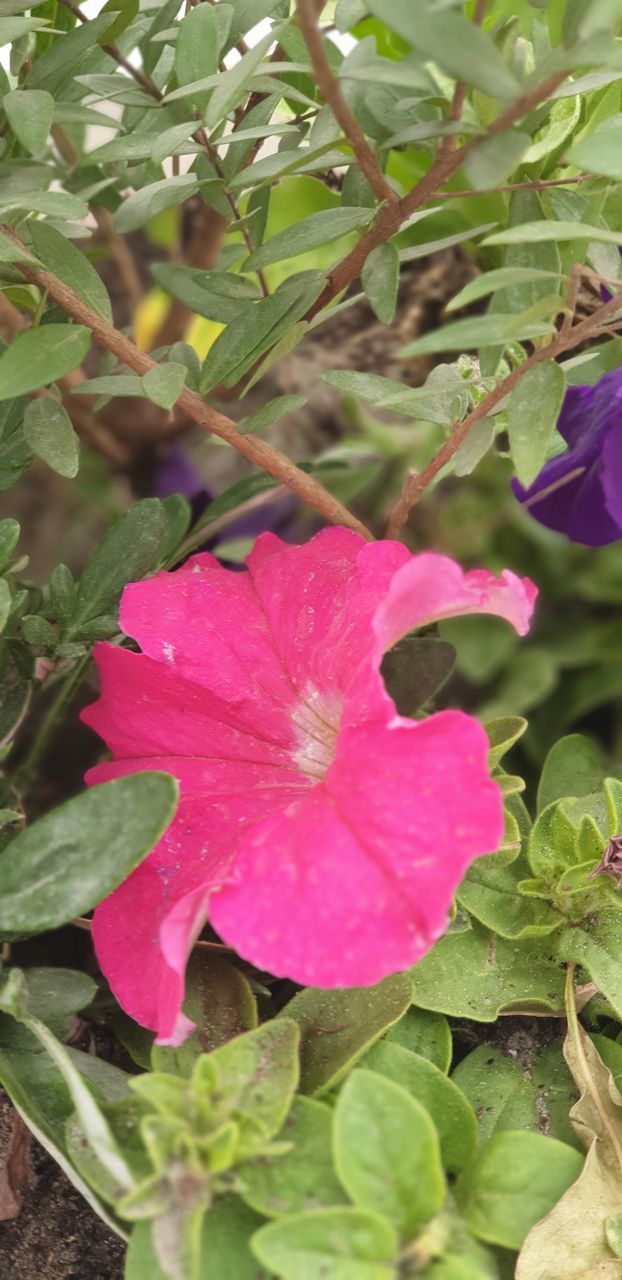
(127, 552)
(575, 766)
(219, 1001)
(415, 669)
(48, 430)
(425, 1033)
(71, 265)
(197, 49)
(380, 279)
(66, 862)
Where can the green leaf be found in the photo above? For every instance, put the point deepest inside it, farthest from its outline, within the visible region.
(217, 295)
(271, 412)
(474, 447)
(524, 1087)
(30, 113)
(6, 602)
(498, 330)
(495, 158)
(532, 412)
(258, 328)
(148, 201)
(197, 49)
(12, 252)
(302, 1178)
(224, 1246)
(447, 1107)
(123, 13)
(317, 229)
(232, 83)
(474, 974)
(66, 862)
(40, 356)
(514, 1181)
(127, 552)
(55, 204)
(501, 278)
(564, 114)
(48, 430)
(164, 383)
(14, 1000)
(425, 1033)
(451, 40)
(380, 279)
(574, 766)
(597, 945)
(257, 1072)
(415, 669)
(599, 152)
(72, 266)
(336, 1027)
(219, 1000)
(503, 733)
(403, 1181)
(345, 1244)
(539, 232)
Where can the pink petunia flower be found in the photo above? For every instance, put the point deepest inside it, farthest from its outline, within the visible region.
(322, 834)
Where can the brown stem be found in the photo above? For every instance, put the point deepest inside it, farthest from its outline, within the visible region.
(257, 451)
(592, 327)
(331, 92)
(391, 216)
(457, 103)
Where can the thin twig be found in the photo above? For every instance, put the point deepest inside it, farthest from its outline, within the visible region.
(257, 451)
(331, 92)
(592, 327)
(537, 184)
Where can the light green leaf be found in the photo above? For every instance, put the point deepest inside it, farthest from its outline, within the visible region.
(525, 1087)
(575, 766)
(55, 204)
(11, 252)
(336, 1027)
(5, 603)
(402, 1180)
(596, 945)
(30, 113)
(380, 280)
(258, 328)
(539, 232)
(475, 975)
(601, 151)
(514, 1181)
(456, 44)
(302, 1178)
(167, 143)
(145, 203)
(164, 383)
(50, 434)
(474, 447)
(345, 1244)
(501, 278)
(65, 863)
(317, 229)
(217, 295)
(447, 1107)
(497, 330)
(197, 49)
(65, 260)
(270, 412)
(40, 356)
(495, 158)
(565, 113)
(231, 84)
(532, 412)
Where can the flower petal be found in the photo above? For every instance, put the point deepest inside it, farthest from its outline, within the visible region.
(205, 622)
(143, 931)
(431, 587)
(369, 860)
(146, 708)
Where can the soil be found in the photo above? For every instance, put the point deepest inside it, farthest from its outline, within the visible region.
(57, 1236)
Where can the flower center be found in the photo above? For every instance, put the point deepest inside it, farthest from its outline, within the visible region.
(316, 721)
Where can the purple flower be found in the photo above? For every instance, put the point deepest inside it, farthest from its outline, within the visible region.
(579, 492)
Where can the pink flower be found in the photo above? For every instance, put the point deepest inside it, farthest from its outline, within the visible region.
(322, 834)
